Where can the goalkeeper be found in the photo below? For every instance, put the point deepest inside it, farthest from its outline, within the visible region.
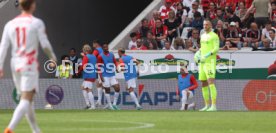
(206, 58)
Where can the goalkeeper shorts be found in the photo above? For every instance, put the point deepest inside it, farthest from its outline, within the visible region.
(206, 71)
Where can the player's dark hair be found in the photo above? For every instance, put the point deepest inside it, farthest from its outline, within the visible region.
(105, 43)
(26, 4)
(122, 50)
(96, 41)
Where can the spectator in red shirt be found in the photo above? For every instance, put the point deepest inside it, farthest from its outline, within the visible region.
(140, 45)
(205, 5)
(155, 16)
(166, 8)
(248, 3)
(160, 33)
(212, 14)
(273, 13)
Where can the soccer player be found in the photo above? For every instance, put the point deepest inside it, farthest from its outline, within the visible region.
(186, 87)
(128, 65)
(206, 58)
(97, 51)
(24, 33)
(89, 74)
(108, 67)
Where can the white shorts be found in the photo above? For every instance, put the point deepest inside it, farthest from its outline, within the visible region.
(109, 81)
(190, 92)
(25, 78)
(87, 84)
(131, 83)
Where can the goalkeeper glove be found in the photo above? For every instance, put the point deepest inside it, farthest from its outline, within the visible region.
(203, 59)
(197, 57)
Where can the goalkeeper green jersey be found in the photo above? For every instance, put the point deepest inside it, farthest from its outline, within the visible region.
(209, 43)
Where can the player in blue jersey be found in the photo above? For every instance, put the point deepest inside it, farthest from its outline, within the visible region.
(129, 67)
(186, 87)
(108, 68)
(97, 51)
(89, 74)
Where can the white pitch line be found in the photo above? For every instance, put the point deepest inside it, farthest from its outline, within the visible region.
(141, 125)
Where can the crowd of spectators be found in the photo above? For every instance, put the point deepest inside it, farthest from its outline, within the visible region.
(178, 24)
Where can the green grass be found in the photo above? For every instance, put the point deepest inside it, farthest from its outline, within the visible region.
(133, 122)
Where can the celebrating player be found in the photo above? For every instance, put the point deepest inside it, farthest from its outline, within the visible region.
(108, 66)
(186, 87)
(206, 58)
(128, 66)
(89, 74)
(97, 51)
(25, 33)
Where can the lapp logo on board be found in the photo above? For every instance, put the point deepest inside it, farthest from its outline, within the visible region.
(225, 62)
(168, 60)
(260, 95)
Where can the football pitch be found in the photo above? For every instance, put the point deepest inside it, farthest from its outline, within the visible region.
(147, 122)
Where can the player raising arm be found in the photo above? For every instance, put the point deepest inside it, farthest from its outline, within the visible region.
(128, 65)
(24, 33)
(186, 88)
(206, 57)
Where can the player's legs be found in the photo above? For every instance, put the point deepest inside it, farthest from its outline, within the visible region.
(186, 95)
(211, 74)
(100, 92)
(116, 86)
(213, 91)
(206, 95)
(22, 109)
(88, 87)
(205, 88)
(106, 86)
(131, 85)
(85, 95)
(31, 119)
(27, 83)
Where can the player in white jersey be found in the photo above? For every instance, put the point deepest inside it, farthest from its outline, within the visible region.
(25, 33)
